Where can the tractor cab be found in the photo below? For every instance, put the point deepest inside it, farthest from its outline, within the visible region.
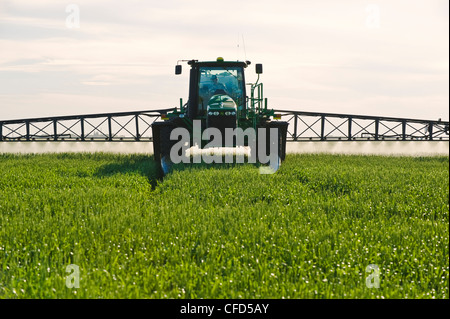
(220, 86)
(216, 86)
(217, 93)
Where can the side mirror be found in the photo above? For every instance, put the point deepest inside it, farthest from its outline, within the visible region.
(177, 69)
(259, 69)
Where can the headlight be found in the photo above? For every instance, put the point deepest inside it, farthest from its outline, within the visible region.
(233, 113)
(227, 113)
(210, 113)
(216, 113)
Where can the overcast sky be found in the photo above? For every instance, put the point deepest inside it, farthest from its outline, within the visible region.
(379, 57)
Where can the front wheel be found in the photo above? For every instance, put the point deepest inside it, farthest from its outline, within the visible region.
(162, 145)
(281, 131)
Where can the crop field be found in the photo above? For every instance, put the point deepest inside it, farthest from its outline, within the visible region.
(324, 226)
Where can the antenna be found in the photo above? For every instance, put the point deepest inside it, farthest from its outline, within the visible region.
(243, 42)
(237, 53)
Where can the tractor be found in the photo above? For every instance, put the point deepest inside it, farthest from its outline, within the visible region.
(218, 101)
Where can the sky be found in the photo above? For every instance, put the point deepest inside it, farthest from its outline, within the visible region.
(378, 57)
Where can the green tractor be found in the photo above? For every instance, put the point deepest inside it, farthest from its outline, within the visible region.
(218, 101)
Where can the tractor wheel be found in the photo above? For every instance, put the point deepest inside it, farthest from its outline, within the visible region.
(162, 144)
(282, 133)
(156, 141)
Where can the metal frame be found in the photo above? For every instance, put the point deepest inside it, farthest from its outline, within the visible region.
(303, 126)
(110, 127)
(312, 126)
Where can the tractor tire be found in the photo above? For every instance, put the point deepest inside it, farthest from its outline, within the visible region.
(282, 134)
(156, 141)
(162, 143)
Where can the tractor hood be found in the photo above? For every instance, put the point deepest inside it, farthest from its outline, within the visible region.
(221, 103)
(222, 115)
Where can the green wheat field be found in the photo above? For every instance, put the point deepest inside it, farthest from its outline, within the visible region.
(223, 231)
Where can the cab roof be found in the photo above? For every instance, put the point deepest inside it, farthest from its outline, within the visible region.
(194, 63)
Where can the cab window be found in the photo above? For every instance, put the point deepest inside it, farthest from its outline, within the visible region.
(220, 80)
